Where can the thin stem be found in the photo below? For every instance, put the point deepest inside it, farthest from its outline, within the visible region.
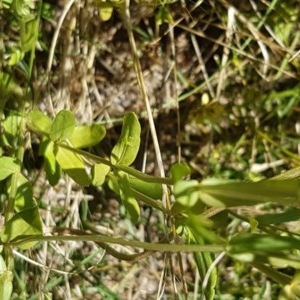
(126, 169)
(155, 247)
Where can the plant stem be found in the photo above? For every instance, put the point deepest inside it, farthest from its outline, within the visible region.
(155, 247)
(126, 169)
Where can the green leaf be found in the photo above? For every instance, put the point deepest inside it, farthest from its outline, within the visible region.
(52, 168)
(262, 243)
(9, 89)
(199, 232)
(24, 198)
(127, 147)
(120, 185)
(228, 193)
(151, 189)
(179, 171)
(29, 35)
(26, 222)
(8, 166)
(73, 165)
(186, 195)
(62, 126)
(130, 203)
(289, 215)
(11, 126)
(163, 15)
(105, 10)
(39, 122)
(99, 172)
(6, 278)
(87, 136)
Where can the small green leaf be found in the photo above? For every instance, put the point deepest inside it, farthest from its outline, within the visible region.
(130, 203)
(39, 122)
(24, 198)
(73, 165)
(150, 189)
(187, 197)
(52, 168)
(87, 136)
(163, 15)
(99, 172)
(120, 185)
(186, 192)
(105, 10)
(8, 166)
(179, 171)
(6, 278)
(26, 222)
(127, 147)
(6, 286)
(62, 126)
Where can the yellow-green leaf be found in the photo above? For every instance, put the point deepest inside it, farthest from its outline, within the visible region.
(87, 136)
(62, 126)
(99, 172)
(26, 222)
(127, 147)
(8, 166)
(39, 122)
(73, 165)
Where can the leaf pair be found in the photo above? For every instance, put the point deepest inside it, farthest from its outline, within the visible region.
(63, 130)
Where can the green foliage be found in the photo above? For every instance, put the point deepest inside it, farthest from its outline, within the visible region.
(61, 140)
(63, 126)
(92, 134)
(25, 222)
(8, 166)
(127, 147)
(6, 278)
(73, 165)
(252, 222)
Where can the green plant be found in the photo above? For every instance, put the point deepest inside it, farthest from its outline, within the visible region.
(196, 206)
(244, 223)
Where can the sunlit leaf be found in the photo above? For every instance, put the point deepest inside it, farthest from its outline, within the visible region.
(62, 126)
(26, 222)
(291, 290)
(6, 278)
(73, 165)
(179, 171)
(24, 197)
(39, 122)
(130, 203)
(127, 147)
(8, 166)
(11, 126)
(99, 172)
(87, 136)
(105, 10)
(29, 35)
(16, 56)
(152, 190)
(52, 168)
(120, 185)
